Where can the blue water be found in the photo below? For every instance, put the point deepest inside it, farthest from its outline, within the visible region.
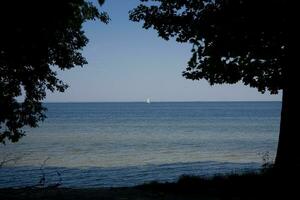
(124, 144)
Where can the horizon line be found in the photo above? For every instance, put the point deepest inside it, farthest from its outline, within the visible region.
(187, 101)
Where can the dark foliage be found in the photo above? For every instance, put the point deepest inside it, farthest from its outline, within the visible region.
(233, 40)
(269, 184)
(37, 37)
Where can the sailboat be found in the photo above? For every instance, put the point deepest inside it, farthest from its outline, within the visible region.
(148, 100)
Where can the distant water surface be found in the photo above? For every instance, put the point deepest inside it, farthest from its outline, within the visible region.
(123, 144)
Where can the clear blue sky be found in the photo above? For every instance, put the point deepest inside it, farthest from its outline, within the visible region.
(128, 63)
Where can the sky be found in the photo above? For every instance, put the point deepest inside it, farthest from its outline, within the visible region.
(129, 63)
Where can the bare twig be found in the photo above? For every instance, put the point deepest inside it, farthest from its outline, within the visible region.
(7, 159)
(42, 181)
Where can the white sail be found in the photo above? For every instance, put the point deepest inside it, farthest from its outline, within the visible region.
(148, 100)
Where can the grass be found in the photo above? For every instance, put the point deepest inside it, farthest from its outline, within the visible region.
(267, 184)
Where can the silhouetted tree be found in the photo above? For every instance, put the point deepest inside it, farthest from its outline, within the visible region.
(36, 37)
(233, 41)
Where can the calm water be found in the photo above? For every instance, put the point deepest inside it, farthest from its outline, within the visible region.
(123, 144)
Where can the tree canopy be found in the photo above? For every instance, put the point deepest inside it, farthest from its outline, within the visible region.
(38, 37)
(233, 40)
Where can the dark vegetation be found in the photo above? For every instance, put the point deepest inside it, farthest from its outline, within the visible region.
(36, 39)
(232, 41)
(265, 185)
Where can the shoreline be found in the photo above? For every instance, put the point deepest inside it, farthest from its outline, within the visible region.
(263, 185)
(22, 176)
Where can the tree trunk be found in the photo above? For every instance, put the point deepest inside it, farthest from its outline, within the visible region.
(288, 157)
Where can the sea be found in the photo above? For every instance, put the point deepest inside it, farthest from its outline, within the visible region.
(120, 144)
